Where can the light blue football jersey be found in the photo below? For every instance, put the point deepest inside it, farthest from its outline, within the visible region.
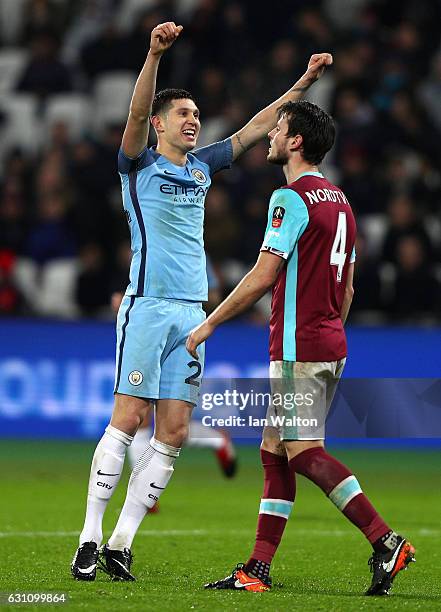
(164, 204)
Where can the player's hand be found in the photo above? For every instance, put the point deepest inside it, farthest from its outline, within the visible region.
(163, 36)
(317, 65)
(198, 335)
(115, 300)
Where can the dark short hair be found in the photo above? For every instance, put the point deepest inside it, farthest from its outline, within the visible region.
(313, 124)
(163, 99)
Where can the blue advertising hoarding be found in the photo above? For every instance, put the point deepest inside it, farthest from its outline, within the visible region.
(56, 378)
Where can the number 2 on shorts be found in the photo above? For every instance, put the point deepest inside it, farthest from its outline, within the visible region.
(191, 380)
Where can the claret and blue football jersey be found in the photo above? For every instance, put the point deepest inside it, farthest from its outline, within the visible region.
(310, 225)
(164, 204)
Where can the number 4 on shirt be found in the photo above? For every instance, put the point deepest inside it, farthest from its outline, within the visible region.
(338, 255)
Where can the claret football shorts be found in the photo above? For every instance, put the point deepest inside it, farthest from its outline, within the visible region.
(151, 359)
(301, 396)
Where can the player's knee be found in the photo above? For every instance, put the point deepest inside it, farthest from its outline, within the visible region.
(180, 435)
(175, 434)
(128, 416)
(271, 442)
(296, 448)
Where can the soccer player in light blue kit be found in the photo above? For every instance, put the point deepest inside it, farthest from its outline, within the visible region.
(164, 190)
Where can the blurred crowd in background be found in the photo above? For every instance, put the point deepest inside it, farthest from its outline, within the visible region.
(67, 71)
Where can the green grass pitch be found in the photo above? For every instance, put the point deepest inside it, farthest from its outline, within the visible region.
(206, 525)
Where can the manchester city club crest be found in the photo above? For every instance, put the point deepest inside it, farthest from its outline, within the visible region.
(135, 378)
(199, 176)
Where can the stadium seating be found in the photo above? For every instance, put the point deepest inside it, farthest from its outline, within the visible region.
(25, 278)
(23, 128)
(72, 109)
(374, 227)
(49, 288)
(129, 9)
(57, 288)
(214, 128)
(11, 16)
(12, 61)
(112, 95)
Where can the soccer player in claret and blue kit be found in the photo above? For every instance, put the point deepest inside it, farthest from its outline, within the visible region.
(164, 190)
(307, 257)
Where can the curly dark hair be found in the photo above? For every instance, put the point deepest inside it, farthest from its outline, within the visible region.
(313, 124)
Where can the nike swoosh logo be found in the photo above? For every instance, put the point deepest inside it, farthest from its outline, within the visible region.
(388, 567)
(167, 172)
(122, 565)
(152, 484)
(100, 473)
(239, 584)
(86, 570)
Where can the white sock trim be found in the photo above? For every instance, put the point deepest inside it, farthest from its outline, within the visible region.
(391, 541)
(119, 435)
(164, 449)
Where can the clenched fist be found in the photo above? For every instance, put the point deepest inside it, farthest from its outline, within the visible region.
(163, 36)
(317, 65)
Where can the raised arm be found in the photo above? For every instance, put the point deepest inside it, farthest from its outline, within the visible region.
(349, 294)
(266, 119)
(137, 128)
